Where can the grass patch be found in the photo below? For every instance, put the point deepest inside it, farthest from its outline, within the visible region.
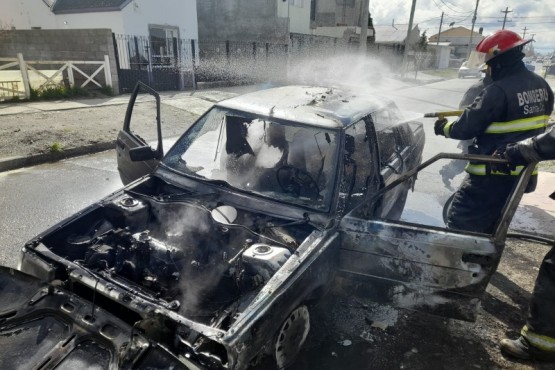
(107, 90)
(61, 92)
(57, 93)
(56, 147)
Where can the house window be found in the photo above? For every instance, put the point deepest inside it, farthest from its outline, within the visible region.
(162, 41)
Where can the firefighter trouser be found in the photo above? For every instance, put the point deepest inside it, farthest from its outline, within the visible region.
(478, 203)
(540, 325)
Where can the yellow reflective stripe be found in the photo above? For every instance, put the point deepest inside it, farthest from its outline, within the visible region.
(525, 124)
(447, 129)
(480, 170)
(537, 340)
(475, 169)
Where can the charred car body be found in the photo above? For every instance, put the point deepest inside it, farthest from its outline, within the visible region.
(213, 259)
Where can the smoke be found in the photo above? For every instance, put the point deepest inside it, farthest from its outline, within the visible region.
(361, 73)
(178, 223)
(191, 230)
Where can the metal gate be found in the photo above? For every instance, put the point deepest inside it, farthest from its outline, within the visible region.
(163, 64)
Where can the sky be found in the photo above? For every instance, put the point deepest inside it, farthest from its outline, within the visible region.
(538, 16)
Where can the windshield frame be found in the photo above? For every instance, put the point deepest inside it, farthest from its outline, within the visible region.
(326, 205)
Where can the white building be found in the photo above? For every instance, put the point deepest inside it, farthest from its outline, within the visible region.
(159, 18)
(298, 14)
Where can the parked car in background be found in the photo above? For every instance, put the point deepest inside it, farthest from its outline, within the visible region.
(530, 66)
(469, 71)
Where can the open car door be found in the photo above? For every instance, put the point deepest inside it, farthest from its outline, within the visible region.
(424, 268)
(136, 157)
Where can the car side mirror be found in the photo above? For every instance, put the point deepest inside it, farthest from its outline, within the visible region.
(142, 153)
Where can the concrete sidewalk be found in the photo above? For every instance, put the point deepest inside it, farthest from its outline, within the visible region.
(202, 98)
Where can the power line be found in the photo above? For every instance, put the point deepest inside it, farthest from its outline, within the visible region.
(453, 9)
(440, 8)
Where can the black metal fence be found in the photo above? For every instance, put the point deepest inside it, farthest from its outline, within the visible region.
(176, 64)
(165, 64)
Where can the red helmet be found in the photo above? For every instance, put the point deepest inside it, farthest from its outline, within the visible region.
(500, 42)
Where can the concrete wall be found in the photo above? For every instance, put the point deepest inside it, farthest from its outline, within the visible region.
(83, 44)
(179, 13)
(133, 19)
(298, 13)
(330, 13)
(241, 20)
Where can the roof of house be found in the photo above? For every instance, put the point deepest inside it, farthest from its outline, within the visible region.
(391, 34)
(88, 6)
(454, 32)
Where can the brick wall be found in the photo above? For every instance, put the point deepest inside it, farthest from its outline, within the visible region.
(77, 44)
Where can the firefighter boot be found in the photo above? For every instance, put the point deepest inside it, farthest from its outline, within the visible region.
(520, 348)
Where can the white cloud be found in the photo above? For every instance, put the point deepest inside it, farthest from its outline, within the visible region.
(538, 16)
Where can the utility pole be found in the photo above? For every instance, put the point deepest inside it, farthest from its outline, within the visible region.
(364, 27)
(409, 31)
(524, 33)
(439, 33)
(506, 11)
(472, 30)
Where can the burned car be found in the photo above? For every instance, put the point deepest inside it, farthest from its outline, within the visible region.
(214, 253)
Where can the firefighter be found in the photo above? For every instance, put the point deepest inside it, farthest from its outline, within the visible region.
(454, 167)
(514, 107)
(537, 337)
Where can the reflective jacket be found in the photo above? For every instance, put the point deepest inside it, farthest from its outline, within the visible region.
(514, 107)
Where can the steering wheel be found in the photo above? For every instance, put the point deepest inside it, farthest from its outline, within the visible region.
(298, 182)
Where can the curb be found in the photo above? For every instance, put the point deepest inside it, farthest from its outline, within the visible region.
(15, 163)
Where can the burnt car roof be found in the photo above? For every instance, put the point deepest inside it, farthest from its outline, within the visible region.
(316, 106)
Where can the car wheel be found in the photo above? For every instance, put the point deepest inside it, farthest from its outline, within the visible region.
(291, 336)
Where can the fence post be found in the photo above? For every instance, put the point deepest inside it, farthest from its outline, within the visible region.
(117, 59)
(24, 75)
(227, 50)
(193, 56)
(107, 71)
(70, 77)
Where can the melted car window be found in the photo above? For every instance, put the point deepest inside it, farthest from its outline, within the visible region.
(287, 161)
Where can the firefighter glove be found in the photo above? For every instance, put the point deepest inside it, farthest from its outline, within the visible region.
(506, 168)
(439, 125)
(514, 155)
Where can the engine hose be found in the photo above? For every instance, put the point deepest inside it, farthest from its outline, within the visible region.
(533, 237)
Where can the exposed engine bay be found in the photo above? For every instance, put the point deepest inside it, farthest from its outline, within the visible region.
(197, 255)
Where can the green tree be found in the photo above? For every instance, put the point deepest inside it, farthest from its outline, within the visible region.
(422, 44)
